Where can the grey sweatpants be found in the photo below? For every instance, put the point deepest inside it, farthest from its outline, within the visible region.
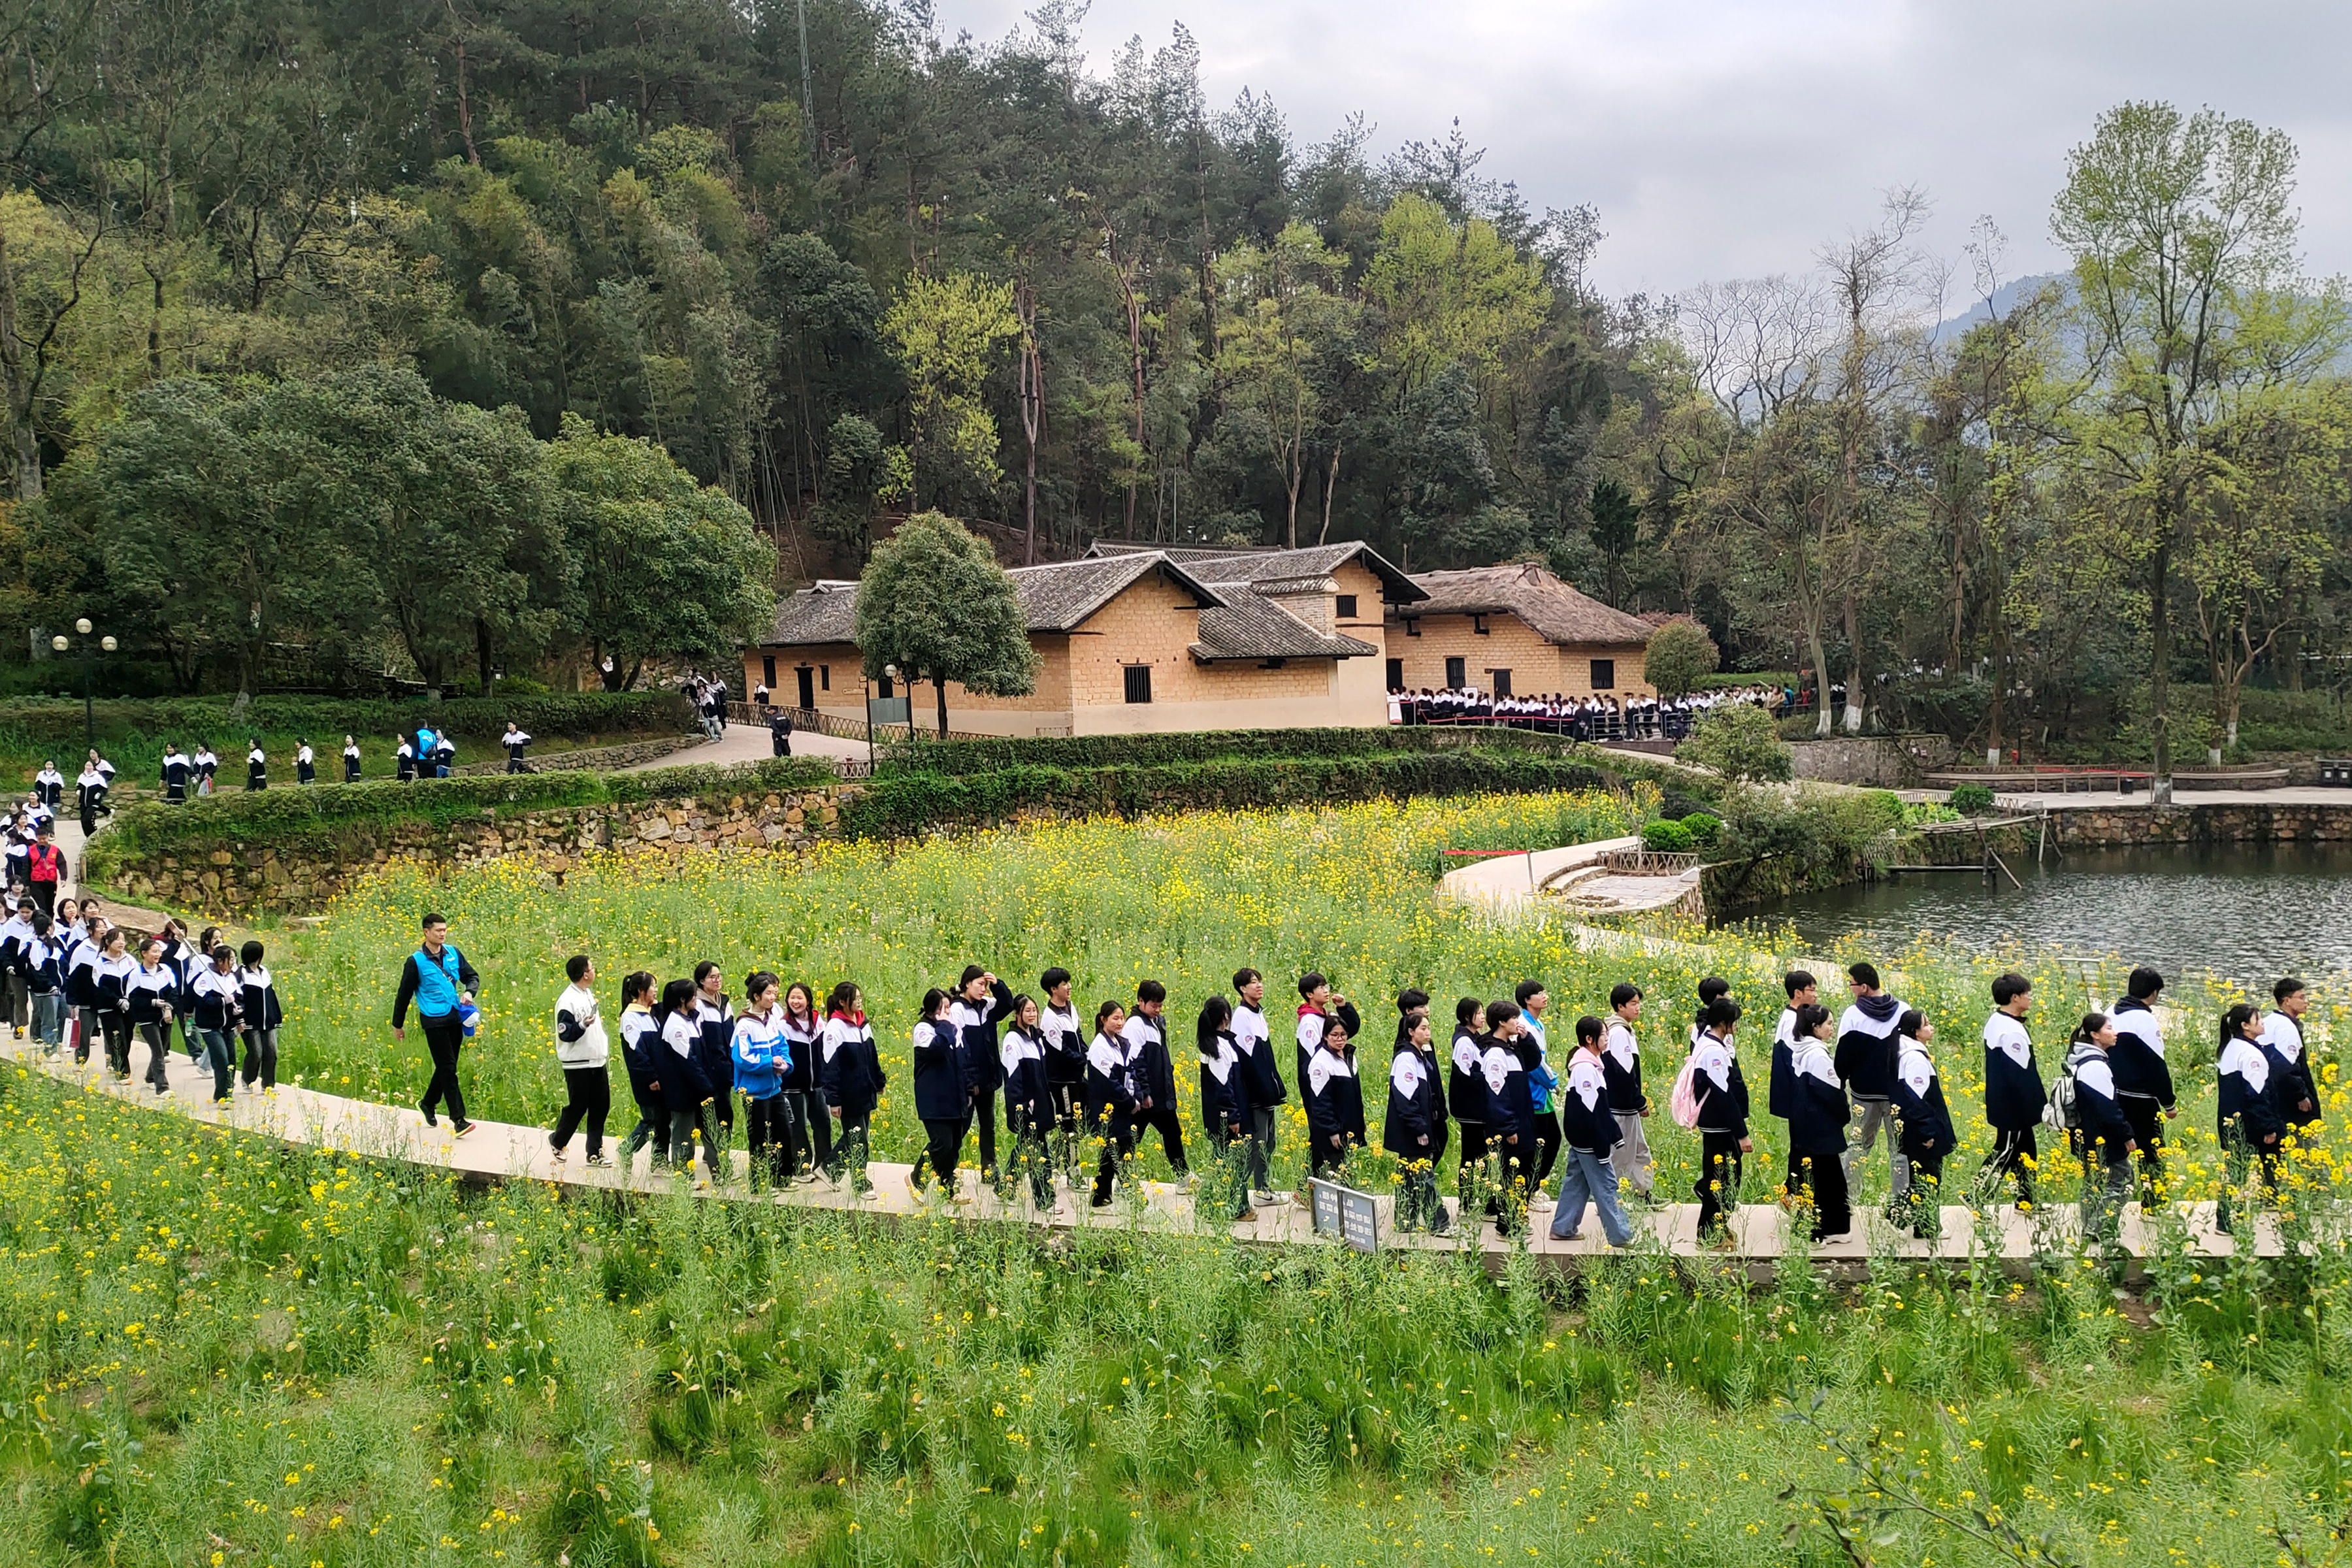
(1876, 1115)
(1631, 1158)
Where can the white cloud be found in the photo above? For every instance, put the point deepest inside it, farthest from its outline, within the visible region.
(1726, 139)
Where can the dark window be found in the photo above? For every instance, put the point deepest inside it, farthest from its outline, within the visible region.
(1412, 626)
(1396, 674)
(1502, 681)
(1604, 674)
(1456, 673)
(887, 691)
(1138, 683)
(824, 677)
(1478, 625)
(1347, 606)
(808, 686)
(768, 670)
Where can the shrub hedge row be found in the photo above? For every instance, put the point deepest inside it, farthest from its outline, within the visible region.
(900, 804)
(340, 812)
(47, 721)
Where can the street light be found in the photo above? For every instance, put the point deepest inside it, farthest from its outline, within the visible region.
(106, 644)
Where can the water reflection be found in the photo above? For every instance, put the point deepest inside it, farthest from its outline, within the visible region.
(2243, 912)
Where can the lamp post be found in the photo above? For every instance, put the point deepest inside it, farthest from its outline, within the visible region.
(89, 659)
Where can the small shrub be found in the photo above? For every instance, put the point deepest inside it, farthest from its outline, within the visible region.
(1704, 828)
(1971, 799)
(1666, 837)
(1741, 741)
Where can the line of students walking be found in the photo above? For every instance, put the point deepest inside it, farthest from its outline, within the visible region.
(810, 1076)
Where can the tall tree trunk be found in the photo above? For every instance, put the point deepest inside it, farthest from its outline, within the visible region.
(2159, 675)
(1031, 385)
(1330, 483)
(1823, 717)
(24, 444)
(939, 683)
(482, 653)
(1857, 674)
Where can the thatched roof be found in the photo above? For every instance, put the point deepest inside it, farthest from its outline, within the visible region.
(1553, 610)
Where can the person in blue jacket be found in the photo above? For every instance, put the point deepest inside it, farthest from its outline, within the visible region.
(2101, 1136)
(1226, 1102)
(1927, 1123)
(1414, 1131)
(1027, 1057)
(2249, 1114)
(762, 1056)
(942, 1098)
(437, 978)
(1817, 1114)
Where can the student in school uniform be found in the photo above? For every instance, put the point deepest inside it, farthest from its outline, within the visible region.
(942, 1098)
(1334, 1100)
(89, 795)
(2283, 1037)
(1146, 1032)
(641, 1058)
(760, 1054)
(83, 1001)
(805, 1118)
(2101, 1137)
(1592, 1133)
(976, 1010)
(714, 1056)
(1224, 1102)
(403, 761)
(1065, 1066)
(2143, 1078)
(1722, 1094)
(260, 1016)
(257, 766)
(1817, 1123)
(149, 995)
(1803, 991)
(2013, 1093)
(1509, 1116)
(1621, 1060)
(1029, 1115)
(214, 995)
(585, 1052)
(2250, 1113)
(42, 961)
(351, 759)
(1110, 1100)
(1254, 1038)
(686, 1093)
(1925, 1121)
(51, 783)
(112, 981)
(207, 763)
(1414, 1131)
(16, 932)
(1535, 1047)
(1865, 1061)
(516, 742)
(1466, 1091)
(1317, 1004)
(306, 763)
(853, 1080)
(444, 755)
(174, 775)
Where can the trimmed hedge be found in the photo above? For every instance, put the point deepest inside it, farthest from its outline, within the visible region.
(149, 828)
(903, 803)
(58, 723)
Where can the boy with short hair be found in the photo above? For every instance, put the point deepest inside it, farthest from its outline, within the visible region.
(1620, 1064)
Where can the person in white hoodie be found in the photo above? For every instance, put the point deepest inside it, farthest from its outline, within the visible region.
(585, 1052)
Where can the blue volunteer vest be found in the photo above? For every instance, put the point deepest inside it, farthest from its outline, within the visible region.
(436, 982)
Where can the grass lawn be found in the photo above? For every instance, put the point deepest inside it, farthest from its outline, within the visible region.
(210, 1346)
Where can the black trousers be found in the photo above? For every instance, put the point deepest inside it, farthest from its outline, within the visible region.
(443, 1038)
(1518, 1169)
(1473, 1153)
(984, 1110)
(850, 1149)
(2146, 1119)
(767, 1134)
(1824, 1183)
(1927, 1195)
(812, 1130)
(1118, 1141)
(1030, 1155)
(1546, 1144)
(261, 1058)
(158, 1036)
(943, 1141)
(2012, 1147)
(683, 1126)
(1171, 1134)
(1322, 1156)
(588, 1098)
(1720, 1173)
(44, 897)
(116, 1027)
(653, 1124)
(1065, 1134)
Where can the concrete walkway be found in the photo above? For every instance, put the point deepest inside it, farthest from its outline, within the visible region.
(740, 743)
(500, 1151)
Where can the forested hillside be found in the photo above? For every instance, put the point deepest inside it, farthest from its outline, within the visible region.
(454, 335)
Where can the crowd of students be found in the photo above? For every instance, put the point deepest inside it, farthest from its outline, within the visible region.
(423, 752)
(1079, 1092)
(1601, 717)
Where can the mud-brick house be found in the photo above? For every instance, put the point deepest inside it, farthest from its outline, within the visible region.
(1513, 630)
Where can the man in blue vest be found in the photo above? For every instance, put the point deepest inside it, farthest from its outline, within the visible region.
(437, 978)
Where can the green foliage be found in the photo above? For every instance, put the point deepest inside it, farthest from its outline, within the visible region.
(1741, 741)
(1971, 799)
(1781, 840)
(1703, 828)
(1679, 657)
(946, 333)
(934, 603)
(1665, 836)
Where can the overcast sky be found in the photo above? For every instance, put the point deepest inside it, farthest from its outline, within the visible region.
(1729, 138)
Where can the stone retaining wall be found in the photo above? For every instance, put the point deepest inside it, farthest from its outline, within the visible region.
(241, 881)
(2188, 822)
(1882, 761)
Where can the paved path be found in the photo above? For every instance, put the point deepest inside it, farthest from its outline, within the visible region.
(741, 743)
(501, 1151)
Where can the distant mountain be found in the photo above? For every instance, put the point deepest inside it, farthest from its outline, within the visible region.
(2004, 299)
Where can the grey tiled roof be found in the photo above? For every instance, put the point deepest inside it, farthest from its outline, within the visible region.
(1219, 565)
(1555, 612)
(1057, 597)
(1249, 626)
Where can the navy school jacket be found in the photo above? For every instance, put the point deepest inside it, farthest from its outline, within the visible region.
(941, 1081)
(1111, 1082)
(2251, 1094)
(1919, 1103)
(1028, 1088)
(1585, 1119)
(849, 1068)
(1225, 1087)
(1334, 1099)
(2137, 1059)
(1818, 1110)
(2013, 1092)
(975, 1038)
(1416, 1108)
(1865, 1046)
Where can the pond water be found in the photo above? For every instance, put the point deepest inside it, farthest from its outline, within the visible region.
(2243, 912)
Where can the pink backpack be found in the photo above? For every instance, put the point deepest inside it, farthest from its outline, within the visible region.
(1684, 1102)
